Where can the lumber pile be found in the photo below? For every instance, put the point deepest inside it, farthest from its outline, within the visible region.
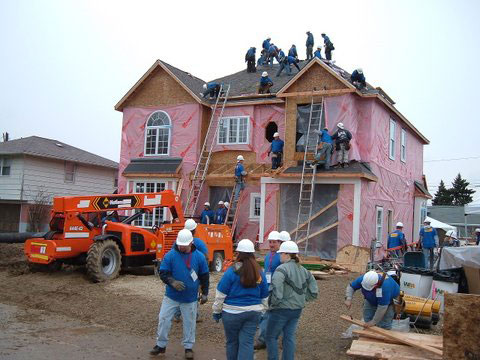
(377, 343)
(354, 258)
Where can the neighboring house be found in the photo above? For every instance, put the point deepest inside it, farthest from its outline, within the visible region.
(34, 169)
(164, 126)
(455, 216)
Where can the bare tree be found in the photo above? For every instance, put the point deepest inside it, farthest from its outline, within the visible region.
(38, 211)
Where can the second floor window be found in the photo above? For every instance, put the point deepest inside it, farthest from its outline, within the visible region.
(391, 147)
(403, 146)
(4, 166)
(70, 168)
(157, 134)
(234, 130)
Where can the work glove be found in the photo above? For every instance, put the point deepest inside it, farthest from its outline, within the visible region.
(217, 317)
(203, 299)
(348, 303)
(177, 285)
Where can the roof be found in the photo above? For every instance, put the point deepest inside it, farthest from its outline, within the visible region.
(422, 189)
(165, 165)
(54, 149)
(354, 167)
(453, 215)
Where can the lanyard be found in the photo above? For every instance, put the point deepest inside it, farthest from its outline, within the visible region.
(188, 260)
(270, 261)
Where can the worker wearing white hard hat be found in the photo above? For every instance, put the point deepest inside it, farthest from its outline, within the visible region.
(358, 79)
(292, 287)
(396, 242)
(240, 299)
(379, 291)
(226, 204)
(342, 138)
(220, 213)
(208, 215)
(428, 242)
(451, 239)
(212, 89)
(265, 84)
(240, 175)
(185, 272)
(477, 235)
(318, 53)
(276, 149)
(285, 236)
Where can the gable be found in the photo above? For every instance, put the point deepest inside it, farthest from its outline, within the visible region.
(316, 78)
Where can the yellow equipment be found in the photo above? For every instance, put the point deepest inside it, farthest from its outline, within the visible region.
(424, 312)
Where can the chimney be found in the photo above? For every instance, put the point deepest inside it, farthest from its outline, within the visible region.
(5, 136)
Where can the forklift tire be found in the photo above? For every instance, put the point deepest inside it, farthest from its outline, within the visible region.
(217, 262)
(104, 261)
(46, 268)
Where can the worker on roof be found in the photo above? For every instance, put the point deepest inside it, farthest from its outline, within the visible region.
(221, 213)
(451, 239)
(358, 79)
(477, 235)
(266, 44)
(324, 149)
(309, 45)
(276, 149)
(270, 264)
(272, 54)
(207, 216)
(318, 52)
(342, 139)
(292, 287)
(265, 84)
(250, 60)
(240, 299)
(293, 51)
(328, 46)
(183, 270)
(428, 242)
(211, 89)
(285, 64)
(281, 55)
(396, 242)
(240, 174)
(379, 291)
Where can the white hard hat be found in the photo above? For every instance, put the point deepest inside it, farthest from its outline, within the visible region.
(477, 230)
(370, 279)
(426, 221)
(360, 70)
(276, 134)
(399, 224)
(190, 224)
(184, 237)
(264, 74)
(245, 246)
(341, 126)
(451, 233)
(204, 86)
(240, 158)
(285, 236)
(207, 204)
(274, 235)
(220, 202)
(226, 203)
(319, 47)
(288, 247)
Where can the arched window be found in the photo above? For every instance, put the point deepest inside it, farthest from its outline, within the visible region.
(157, 134)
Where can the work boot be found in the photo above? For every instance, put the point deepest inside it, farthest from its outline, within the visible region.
(157, 350)
(188, 354)
(259, 345)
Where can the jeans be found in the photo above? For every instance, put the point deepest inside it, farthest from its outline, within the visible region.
(342, 154)
(309, 52)
(178, 313)
(428, 254)
(263, 327)
(239, 186)
(327, 151)
(251, 65)
(284, 66)
(276, 160)
(240, 333)
(167, 311)
(328, 53)
(282, 320)
(369, 312)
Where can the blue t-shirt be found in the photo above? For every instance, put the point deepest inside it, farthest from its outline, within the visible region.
(318, 54)
(220, 215)
(277, 145)
(212, 85)
(272, 262)
(265, 80)
(428, 237)
(180, 265)
(237, 294)
(395, 239)
(380, 296)
(326, 137)
(207, 214)
(292, 52)
(200, 245)
(239, 169)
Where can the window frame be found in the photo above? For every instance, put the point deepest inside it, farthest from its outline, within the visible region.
(379, 235)
(140, 222)
(74, 172)
(227, 137)
(157, 129)
(3, 162)
(403, 145)
(391, 139)
(254, 196)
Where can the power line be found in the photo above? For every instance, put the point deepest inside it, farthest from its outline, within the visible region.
(454, 159)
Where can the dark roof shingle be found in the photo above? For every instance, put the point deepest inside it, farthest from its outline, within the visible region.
(153, 166)
(193, 83)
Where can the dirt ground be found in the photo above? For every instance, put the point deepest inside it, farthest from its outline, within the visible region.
(41, 314)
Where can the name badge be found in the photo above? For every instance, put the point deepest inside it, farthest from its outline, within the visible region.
(193, 274)
(379, 292)
(268, 275)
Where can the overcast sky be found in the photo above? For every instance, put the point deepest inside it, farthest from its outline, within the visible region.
(65, 64)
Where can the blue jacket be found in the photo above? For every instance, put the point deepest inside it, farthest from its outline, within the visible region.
(212, 85)
(326, 39)
(266, 44)
(271, 262)
(395, 239)
(272, 49)
(200, 245)
(318, 54)
(265, 80)
(428, 237)
(179, 266)
(291, 60)
(207, 214)
(292, 52)
(281, 54)
(239, 169)
(325, 137)
(356, 76)
(237, 294)
(309, 40)
(251, 53)
(277, 145)
(220, 215)
(375, 297)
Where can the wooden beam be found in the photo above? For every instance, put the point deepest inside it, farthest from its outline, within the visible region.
(435, 341)
(220, 169)
(314, 216)
(388, 334)
(179, 187)
(318, 232)
(318, 93)
(373, 349)
(255, 102)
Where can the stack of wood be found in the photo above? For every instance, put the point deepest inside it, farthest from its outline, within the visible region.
(377, 343)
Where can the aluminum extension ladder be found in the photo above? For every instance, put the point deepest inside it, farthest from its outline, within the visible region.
(232, 215)
(307, 184)
(206, 153)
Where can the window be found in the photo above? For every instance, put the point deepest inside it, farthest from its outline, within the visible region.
(70, 168)
(389, 221)
(391, 153)
(255, 206)
(157, 134)
(403, 146)
(379, 224)
(234, 130)
(159, 215)
(4, 166)
(423, 211)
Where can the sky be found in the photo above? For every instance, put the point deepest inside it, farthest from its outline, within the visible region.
(65, 64)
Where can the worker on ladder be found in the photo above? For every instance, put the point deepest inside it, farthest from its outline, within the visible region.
(276, 149)
(324, 149)
(396, 242)
(240, 174)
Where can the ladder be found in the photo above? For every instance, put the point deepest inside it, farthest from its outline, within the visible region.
(307, 184)
(205, 155)
(232, 215)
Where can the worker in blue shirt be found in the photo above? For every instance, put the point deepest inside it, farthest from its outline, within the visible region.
(183, 270)
(281, 55)
(293, 51)
(264, 53)
(477, 234)
(221, 213)
(211, 89)
(309, 45)
(328, 47)
(324, 149)
(265, 84)
(428, 242)
(396, 243)
(276, 149)
(240, 174)
(358, 79)
(379, 291)
(207, 216)
(318, 52)
(272, 54)
(250, 60)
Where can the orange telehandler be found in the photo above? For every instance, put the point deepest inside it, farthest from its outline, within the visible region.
(88, 230)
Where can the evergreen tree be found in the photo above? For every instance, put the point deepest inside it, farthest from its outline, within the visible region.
(461, 194)
(443, 196)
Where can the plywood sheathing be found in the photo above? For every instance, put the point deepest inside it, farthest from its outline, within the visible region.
(316, 78)
(354, 258)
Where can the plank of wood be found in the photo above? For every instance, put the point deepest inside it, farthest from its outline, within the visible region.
(314, 216)
(317, 93)
(376, 350)
(431, 340)
(179, 187)
(318, 232)
(394, 336)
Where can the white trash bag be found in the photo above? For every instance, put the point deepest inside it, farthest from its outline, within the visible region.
(401, 325)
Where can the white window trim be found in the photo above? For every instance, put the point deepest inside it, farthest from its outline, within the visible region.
(4, 160)
(254, 217)
(169, 127)
(238, 129)
(166, 214)
(377, 210)
(391, 147)
(74, 172)
(403, 145)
